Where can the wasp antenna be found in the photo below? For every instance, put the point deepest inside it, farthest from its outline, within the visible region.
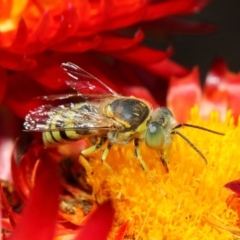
(198, 127)
(191, 144)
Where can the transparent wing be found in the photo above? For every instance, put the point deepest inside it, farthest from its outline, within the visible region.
(84, 82)
(78, 96)
(68, 117)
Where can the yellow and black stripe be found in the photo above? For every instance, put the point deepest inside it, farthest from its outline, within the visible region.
(74, 118)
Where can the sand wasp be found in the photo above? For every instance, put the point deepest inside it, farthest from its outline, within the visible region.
(113, 118)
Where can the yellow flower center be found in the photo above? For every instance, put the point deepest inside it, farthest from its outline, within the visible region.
(189, 202)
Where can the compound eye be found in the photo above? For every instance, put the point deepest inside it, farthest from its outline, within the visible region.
(154, 137)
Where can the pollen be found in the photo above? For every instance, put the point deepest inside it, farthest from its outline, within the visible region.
(188, 201)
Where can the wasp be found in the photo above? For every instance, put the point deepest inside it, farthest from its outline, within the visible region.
(102, 113)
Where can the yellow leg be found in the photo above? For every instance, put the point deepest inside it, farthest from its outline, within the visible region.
(104, 156)
(85, 163)
(105, 152)
(85, 153)
(138, 155)
(94, 148)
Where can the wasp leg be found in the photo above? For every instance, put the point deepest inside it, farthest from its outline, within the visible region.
(164, 158)
(105, 152)
(164, 162)
(86, 165)
(99, 144)
(137, 154)
(95, 147)
(104, 155)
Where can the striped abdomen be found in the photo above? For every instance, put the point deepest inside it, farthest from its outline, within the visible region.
(71, 123)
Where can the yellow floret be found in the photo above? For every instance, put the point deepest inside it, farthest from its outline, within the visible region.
(189, 202)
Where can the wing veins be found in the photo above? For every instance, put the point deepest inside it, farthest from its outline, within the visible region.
(73, 95)
(75, 72)
(69, 129)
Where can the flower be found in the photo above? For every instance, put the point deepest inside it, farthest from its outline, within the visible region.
(181, 204)
(220, 92)
(106, 39)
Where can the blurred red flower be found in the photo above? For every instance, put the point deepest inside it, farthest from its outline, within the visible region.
(220, 92)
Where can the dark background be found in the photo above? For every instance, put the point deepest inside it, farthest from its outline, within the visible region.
(225, 42)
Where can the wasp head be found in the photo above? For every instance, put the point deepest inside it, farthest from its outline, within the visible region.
(159, 128)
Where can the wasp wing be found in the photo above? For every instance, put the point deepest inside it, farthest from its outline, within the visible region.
(67, 117)
(74, 96)
(84, 82)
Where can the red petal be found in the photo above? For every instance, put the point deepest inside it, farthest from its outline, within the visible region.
(5, 224)
(3, 83)
(45, 29)
(21, 38)
(23, 167)
(215, 95)
(122, 230)
(16, 62)
(22, 93)
(19, 180)
(183, 93)
(166, 68)
(66, 229)
(175, 25)
(111, 42)
(9, 128)
(39, 217)
(172, 7)
(77, 44)
(232, 82)
(13, 217)
(124, 14)
(54, 29)
(218, 69)
(141, 55)
(234, 186)
(48, 72)
(7, 38)
(99, 224)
